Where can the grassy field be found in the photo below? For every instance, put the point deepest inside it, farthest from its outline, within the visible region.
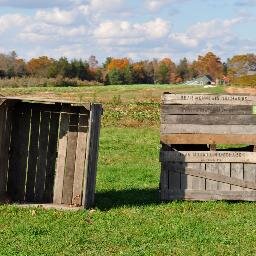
(128, 218)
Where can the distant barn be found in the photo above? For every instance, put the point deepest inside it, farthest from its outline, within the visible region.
(201, 80)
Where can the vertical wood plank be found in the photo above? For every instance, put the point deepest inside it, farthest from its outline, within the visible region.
(212, 168)
(224, 169)
(70, 160)
(92, 155)
(237, 172)
(174, 177)
(62, 152)
(3, 171)
(80, 160)
(195, 182)
(33, 153)
(249, 174)
(51, 157)
(42, 155)
(164, 181)
(19, 152)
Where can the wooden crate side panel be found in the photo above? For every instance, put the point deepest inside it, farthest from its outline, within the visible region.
(249, 174)
(237, 171)
(92, 155)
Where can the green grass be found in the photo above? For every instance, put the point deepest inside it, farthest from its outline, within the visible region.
(128, 218)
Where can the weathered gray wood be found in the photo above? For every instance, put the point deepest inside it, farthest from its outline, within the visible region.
(206, 110)
(224, 169)
(33, 154)
(206, 195)
(174, 177)
(51, 157)
(206, 129)
(212, 168)
(234, 181)
(209, 119)
(206, 99)
(67, 194)
(19, 153)
(237, 172)
(80, 160)
(208, 156)
(249, 173)
(61, 159)
(92, 155)
(42, 156)
(164, 181)
(210, 138)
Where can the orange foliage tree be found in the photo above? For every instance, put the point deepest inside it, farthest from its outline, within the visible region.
(39, 66)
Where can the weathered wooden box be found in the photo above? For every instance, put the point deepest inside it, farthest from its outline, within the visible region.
(192, 167)
(48, 152)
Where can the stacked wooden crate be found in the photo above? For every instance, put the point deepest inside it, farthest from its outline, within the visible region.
(192, 127)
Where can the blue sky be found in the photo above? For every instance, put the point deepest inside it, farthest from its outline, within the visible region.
(142, 29)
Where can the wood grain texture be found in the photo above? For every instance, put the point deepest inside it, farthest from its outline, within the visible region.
(208, 156)
(67, 193)
(92, 155)
(199, 195)
(206, 110)
(61, 159)
(216, 119)
(209, 99)
(80, 160)
(209, 138)
(208, 129)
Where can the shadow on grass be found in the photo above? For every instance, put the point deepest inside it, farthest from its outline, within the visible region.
(133, 197)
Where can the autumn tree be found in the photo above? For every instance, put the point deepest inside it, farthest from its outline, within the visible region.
(40, 66)
(183, 70)
(165, 71)
(241, 65)
(209, 64)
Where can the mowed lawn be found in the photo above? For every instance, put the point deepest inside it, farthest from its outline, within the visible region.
(128, 218)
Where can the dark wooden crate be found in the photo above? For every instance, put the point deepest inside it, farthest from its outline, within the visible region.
(191, 167)
(48, 152)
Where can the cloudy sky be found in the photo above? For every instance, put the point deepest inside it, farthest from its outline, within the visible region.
(139, 29)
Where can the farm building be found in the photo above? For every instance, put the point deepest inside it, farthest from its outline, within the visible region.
(201, 80)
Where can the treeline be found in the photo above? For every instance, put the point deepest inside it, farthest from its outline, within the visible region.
(126, 71)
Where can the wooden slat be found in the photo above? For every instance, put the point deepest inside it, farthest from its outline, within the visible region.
(80, 160)
(249, 173)
(70, 160)
(209, 119)
(92, 155)
(164, 180)
(209, 138)
(211, 184)
(3, 171)
(33, 154)
(51, 157)
(224, 169)
(19, 153)
(206, 129)
(61, 160)
(234, 180)
(42, 156)
(208, 156)
(200, 195)
(206, 110)
(237, 172)
(206, 99)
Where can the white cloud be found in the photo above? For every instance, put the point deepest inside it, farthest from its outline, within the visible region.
(124, 32)
(9, 20)
(56, 16)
